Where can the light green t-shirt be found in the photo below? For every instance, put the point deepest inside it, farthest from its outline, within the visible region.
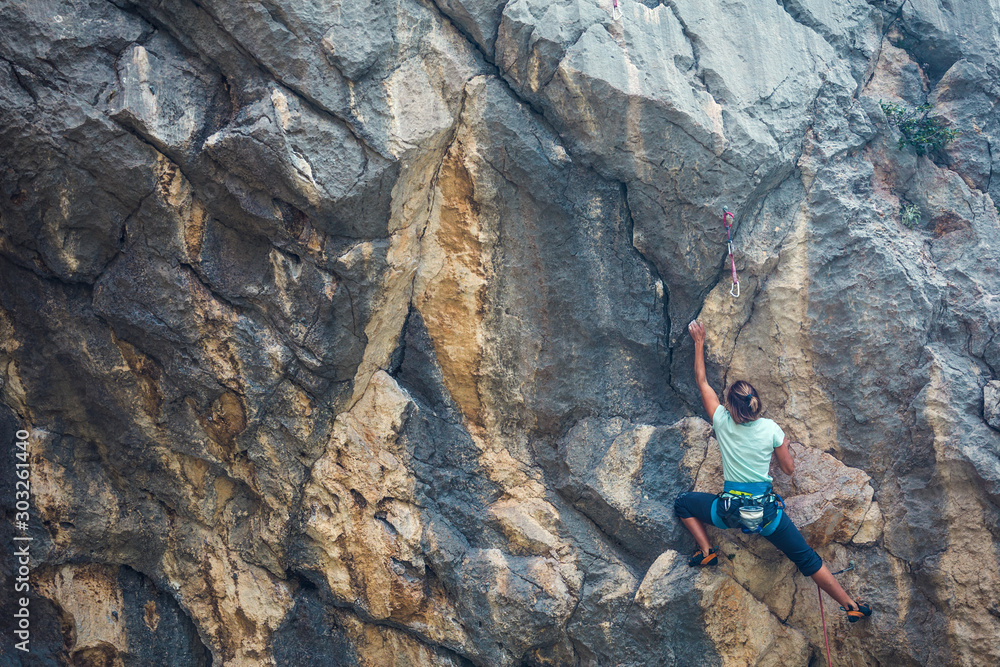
(746, 448)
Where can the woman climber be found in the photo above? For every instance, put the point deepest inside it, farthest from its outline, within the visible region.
(746, 442)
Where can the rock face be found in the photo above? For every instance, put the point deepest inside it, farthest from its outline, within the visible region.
(354, 333)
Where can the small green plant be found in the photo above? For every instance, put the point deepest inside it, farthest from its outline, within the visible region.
(918, 128)
(909, 215)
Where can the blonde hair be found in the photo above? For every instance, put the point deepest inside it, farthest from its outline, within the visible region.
(743, 403)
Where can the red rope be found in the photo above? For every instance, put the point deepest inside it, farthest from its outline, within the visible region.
(822, 615)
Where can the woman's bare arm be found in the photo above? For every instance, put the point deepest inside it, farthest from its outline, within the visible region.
(784, 456)
(708, 396)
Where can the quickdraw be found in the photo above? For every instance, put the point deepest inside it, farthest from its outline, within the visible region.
(616, 13)
(727, 222)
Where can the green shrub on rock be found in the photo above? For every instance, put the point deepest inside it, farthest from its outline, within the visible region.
(909, 215)
(917, 128)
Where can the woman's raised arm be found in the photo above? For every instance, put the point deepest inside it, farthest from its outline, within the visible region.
(708, 396)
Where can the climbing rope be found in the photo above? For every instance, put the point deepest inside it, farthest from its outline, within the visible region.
(727, 221)
(822, 615)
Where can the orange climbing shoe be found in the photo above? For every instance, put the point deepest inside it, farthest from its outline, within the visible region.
(701, 560)
(855, 615)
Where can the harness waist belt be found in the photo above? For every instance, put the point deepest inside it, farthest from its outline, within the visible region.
(746, 488)
(763, 507)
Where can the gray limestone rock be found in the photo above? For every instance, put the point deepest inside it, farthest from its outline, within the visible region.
(342, 185)
(357, 37)
(991, 403)
(355, 332)
(694, 123)
(164, 95)
(626, 479)
(965, 96)
(479, 19)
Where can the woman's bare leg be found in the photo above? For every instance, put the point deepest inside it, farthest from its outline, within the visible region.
(697, 530)
(826, 581)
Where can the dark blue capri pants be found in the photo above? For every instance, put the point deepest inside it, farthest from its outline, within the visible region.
(785, 537)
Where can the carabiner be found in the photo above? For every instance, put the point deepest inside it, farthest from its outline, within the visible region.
(616, 13)
(735, 290)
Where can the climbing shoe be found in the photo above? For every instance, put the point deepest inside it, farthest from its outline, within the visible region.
(701, 560)
(855, 615)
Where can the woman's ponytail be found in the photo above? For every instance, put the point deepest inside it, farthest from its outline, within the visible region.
(743, 402)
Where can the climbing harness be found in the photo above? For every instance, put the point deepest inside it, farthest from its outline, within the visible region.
(616, 13)
(727, 221)
(749, 512)
(822, 615)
